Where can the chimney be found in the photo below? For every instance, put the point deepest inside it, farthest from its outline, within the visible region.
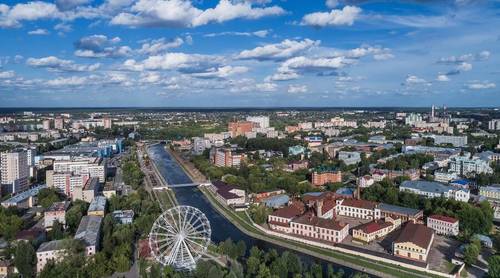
(319, 208)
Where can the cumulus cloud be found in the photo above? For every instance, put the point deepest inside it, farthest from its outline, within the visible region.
(266, 87)
(283, 76)
(7, 74)
(100, 46)
(55, 64)
(294, 89)
(11, 16)
(306, 64)
(478, 85)
(415, 80)
(331, 3)
(63, 27)
(345, 16)
(220, 72)
(456, 60)
(442, 78)
(464, 67)
(187, 63)
(383, 56)
(260, 34)
(278, 51)
(39, 32)
(65, 5)
(67, 81)
(179, 13)
(152, 47)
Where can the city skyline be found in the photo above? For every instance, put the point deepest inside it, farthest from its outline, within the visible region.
(259, 53)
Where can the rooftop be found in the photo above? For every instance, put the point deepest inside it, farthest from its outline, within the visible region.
(444, 218)
(89, 229)
(310, 219)
(59, 206)
(53, 245)
(398, 209)
(98, 204)
(427, 186)
(373, 226)
(418, 234)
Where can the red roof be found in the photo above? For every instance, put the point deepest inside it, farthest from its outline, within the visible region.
(444, 218)
(287, 212)
(373, 226)
(418, 234)
(312, 220)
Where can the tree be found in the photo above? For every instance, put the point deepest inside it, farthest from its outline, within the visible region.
(471, 253)
(74, 215)
(25, 259)
(494, 266)
(57, 231)
(48, 196)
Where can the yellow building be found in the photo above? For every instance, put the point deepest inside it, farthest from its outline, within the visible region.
(375, 229)
(414, 242)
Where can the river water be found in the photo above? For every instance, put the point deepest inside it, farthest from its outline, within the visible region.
(221, 227)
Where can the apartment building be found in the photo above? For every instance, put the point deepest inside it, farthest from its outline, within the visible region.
(443, 225)
(86, 192)
(494, 124)
(456, 141)
(50, 251)
(14, 171)
(65, 182)
(240, 128)
(225, 157)
(97, 207)
(322, 176)
(466, 165)
(261, 121)
(89, 231)
(94, 166)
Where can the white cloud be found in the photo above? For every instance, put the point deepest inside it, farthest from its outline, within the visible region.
(189, 63)
(278, 51)
(283, 76)
(266, 87)
(100, 46)
(442, 78)
(64, 5)
(178, 13)
(260, 34)
(39, 32)
(331, 3)
(464, 67)
(451, 60)
(346, 16)
(383, 56)
(415, 80)
(68, 81)
(56, 64)
(159, 45)
(294, 89)
(477, 85)
(12, 16)
(303, 63)
(220, 72)
(7, 74)
(63, 27)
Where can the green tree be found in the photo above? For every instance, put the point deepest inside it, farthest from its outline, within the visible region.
(25, 259)
(48, 196)
(494, 266)
(57, 231)
(471, 253)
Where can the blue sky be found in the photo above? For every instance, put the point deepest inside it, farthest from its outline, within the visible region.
(249, 53)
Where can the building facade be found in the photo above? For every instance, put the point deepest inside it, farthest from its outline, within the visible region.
(14, 171)
(443, 225)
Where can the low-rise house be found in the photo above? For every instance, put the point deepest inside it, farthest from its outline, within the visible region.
(414, 242)
(124, 216)
(431, 189)
(7, 268)
(311, 226)
(375, 229)
(443, 225)
(355, 208)
(298, 165)
(491, 192)
(56, 212)
(50, 251)
(97, 207)
(350, 158)
(261, 196)
(89, 232)
(366, 181)
(228, 194)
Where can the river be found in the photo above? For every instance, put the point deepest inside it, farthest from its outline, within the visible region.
(221, 227)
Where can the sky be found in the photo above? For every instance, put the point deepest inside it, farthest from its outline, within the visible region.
(249, 53)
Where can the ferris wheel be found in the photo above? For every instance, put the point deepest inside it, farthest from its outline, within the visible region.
(180, 236)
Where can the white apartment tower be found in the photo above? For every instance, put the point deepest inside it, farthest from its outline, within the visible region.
(263, 121)
(15, 171)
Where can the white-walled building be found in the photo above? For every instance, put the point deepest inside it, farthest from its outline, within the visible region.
(443, 225)
(94, 166)
(431, 189)
(465, 165)
(361, 209)
(311, 226)
(262, 121)
(50, 251)
(14, 171)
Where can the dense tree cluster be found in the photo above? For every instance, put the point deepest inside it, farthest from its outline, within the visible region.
(10, 222)
(405, 162)
(264, 143)
(48, 196)
(259, 213)
(473, 219)
(131, 170)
